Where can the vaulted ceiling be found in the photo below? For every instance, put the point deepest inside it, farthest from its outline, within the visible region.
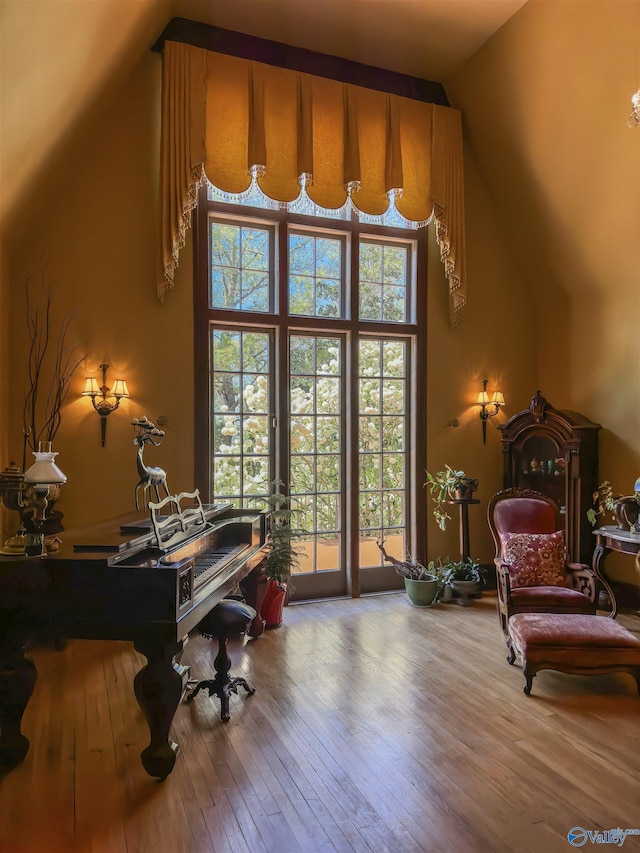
(59, 57)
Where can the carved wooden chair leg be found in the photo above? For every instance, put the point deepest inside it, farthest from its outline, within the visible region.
(529, 676)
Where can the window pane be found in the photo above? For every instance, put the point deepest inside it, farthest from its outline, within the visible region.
(369, 434)
(303, 478)
(255, 435)
(328, 552)
(301, 353)
(393, 358)
(393, 304)
(240, 266)
(328, 473)
(226, 477)
(370, 301)
(328, 432)
(328, 512)
(370, 472)
(393, 395)
(255, 476)
(384, 279)
(302, 434)
(315, 275)
(301, 295)
(226, 393)
(369, 355)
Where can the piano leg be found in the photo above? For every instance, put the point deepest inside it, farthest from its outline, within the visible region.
(159, 687)
(17, 680)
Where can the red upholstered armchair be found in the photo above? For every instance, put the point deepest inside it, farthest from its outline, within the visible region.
(533, 575)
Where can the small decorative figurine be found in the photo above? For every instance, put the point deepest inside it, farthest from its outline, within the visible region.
(150, 477)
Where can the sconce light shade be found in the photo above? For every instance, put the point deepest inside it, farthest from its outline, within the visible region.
(498, 399)
(91, 388)
(120, 388)
(483, 399)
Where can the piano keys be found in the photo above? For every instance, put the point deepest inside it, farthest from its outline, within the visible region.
(112, 581)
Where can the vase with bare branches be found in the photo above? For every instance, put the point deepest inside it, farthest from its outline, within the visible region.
(52, 361)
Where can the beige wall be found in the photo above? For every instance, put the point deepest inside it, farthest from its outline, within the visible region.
(546, 104)
(98, 234)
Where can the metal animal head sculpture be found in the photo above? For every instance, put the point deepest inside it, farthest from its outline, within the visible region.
(150, 477)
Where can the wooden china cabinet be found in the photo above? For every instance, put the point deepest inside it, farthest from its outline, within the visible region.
(555, 452)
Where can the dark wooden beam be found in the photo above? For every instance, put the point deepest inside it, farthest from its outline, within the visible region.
(298, 59)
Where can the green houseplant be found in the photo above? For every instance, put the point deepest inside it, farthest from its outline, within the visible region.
(465, 578)
(283, 558)
(446, 485)
(603, 502)
(624, 510)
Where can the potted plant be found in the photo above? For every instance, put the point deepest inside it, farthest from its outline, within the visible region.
(447, 485)
(419, 582)
(465, 578)
(284, 556)
(625, 510)
(439, 568)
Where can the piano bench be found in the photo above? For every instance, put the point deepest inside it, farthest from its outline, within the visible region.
(227, 620)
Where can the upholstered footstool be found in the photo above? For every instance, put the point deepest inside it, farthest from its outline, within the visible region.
(572, 643)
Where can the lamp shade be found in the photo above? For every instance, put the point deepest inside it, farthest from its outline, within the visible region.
(44, 470)
(91, 388)
(498, 398)
(120, 388)
(483, 399)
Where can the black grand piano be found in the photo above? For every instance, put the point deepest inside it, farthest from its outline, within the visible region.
(149, 580)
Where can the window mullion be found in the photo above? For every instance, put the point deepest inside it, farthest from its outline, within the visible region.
(352, 471)
(281, 383)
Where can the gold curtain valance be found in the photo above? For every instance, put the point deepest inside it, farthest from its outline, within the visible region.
(227, 119)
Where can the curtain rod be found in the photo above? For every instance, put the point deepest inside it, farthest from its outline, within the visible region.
(233, 43)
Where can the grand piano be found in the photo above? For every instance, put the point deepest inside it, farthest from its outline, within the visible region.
(150, 580)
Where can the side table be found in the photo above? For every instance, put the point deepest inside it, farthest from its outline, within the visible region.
(612, 539)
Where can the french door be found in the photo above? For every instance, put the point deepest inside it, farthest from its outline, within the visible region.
(308, 355)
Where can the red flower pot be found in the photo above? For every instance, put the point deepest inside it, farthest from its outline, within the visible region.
(273, 604)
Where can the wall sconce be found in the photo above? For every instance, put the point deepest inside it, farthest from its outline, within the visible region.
(634, 118)
(103, 406)
(489, 408)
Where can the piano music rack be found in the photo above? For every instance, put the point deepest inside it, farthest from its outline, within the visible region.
(171, 528)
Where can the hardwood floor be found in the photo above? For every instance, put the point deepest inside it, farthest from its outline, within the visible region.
(375, 726)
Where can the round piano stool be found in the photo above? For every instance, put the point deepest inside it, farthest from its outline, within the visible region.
(227, 620)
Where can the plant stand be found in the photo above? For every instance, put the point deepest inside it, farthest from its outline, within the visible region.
(464, 525)
(465, 591)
